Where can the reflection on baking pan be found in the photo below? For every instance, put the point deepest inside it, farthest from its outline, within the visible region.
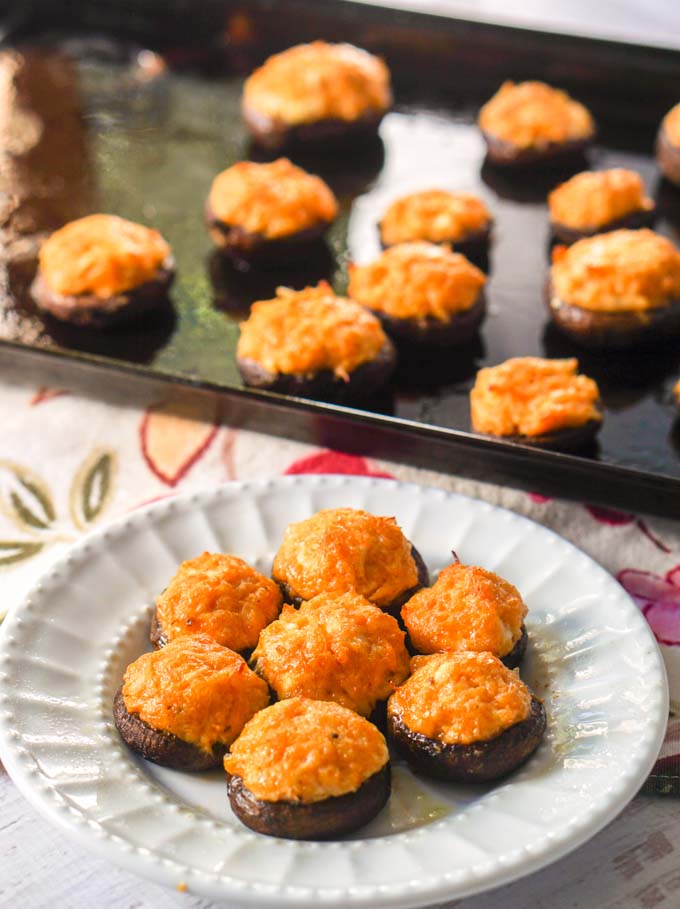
(236, 289)
(346, 174)
(625, 377)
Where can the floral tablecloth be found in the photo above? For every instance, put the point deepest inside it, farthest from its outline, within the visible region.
(74, 455)
(69, 463)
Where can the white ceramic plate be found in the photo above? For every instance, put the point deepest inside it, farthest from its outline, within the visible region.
(591, 656)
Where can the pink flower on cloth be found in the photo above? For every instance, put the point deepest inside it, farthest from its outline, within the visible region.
(335, 462)
(612, 517)
(658, 598)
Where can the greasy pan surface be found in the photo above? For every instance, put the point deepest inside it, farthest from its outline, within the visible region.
(150, 140)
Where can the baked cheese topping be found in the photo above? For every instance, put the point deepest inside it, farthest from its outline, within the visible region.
(530, 114)
(343, 549)
(593, 199)
(620, 271)
(306, 331)
(468, 608)
(319, 81)
(102, 255)
(221, 596)
(671, 125)
(271, 200)
(460, 698)
(302, 750)
(195, 689)
(334, 648)
(417, 281)
(434, 215)
(530, 396)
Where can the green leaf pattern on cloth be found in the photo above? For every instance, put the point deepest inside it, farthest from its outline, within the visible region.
(92, 488)
(26, 499)
(12, 551)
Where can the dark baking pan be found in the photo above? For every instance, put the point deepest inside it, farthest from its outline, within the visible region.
(120, 129)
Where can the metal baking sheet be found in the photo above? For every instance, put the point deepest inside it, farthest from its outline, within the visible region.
(142, 136)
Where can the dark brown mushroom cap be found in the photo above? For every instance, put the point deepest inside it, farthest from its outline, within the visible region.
(502, 153)
(253, 248)
(572, 438)
(276, 134)
(362, 382)
(433, 332)
(322, 820)
(514, 657)
(162, 748)
(475, 763)
(634, 220)
(668, 157)
(613, 329)
(89, 310)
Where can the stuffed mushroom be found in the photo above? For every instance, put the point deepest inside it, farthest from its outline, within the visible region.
(183, 706)
(464, 717)
(423, 294)
(458, 219)
(101, 270)
(316, 94)
(540, 402)
(335, 647)
(668, 145)
(307, 769)
(594, 202)
(338, 550)
(468, 608)
(217, 595)
(532, 124)
(616, 290)
(314, 344)
(269, 214)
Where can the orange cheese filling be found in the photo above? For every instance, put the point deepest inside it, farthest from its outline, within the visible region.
(434, 215)
(306, 331)
(460, 698)
(417, 281)
(319, 81)
(468, 608)
(621, 271)
(342, 549)
(334, 648)
(195, 689)
(221, 596)
(530, 396)
(594, 199)
(528, 114)
(671, 125)
(302, 750)
(272, 200)
(102, 255)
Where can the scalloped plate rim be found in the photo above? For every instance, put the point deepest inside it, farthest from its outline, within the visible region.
(404, 894)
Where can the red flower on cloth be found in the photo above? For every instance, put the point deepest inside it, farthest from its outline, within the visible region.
(45, 393)
(175, 433)
(658, 598)
(335, 462)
